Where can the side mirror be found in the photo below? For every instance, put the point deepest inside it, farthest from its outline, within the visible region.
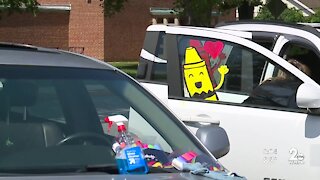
(308, 96)
(215, 139)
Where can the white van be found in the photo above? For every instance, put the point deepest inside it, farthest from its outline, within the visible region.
(273, 138)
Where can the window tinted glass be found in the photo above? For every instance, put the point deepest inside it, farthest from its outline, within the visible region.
(159, 72)
(160, 45)
(159, 67)
(306, 55)
(150, 40)
(223, 71)
(47, 105)
(265, 43)
(55, 118)
(152, 65)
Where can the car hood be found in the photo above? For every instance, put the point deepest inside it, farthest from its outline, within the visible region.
(85, 176)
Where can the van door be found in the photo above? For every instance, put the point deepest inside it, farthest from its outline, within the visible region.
(211, 77)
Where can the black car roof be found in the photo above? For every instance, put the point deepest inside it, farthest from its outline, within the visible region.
(19, 54)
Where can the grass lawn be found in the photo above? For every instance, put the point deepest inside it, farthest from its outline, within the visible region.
(128, 67)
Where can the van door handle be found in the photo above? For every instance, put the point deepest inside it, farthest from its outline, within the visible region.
(202, 119)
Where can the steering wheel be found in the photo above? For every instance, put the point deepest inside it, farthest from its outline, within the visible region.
(87, 136)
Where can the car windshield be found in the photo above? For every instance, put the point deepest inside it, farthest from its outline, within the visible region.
(54, 118)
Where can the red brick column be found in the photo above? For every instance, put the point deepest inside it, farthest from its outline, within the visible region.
(86, 26)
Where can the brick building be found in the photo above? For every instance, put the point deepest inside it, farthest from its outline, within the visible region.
(80, 26)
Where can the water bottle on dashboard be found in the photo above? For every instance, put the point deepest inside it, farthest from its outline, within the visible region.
(129, 156)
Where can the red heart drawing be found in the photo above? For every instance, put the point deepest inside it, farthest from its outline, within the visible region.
(213, 48)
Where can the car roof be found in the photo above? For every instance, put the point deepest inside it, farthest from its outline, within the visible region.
(273, 22)
(162, 27)
(266, 26)
(21, 54)
(157, 27)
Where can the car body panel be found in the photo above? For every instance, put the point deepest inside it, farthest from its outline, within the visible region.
(46, 57)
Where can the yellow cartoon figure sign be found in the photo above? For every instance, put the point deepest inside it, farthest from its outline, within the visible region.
(197, 77)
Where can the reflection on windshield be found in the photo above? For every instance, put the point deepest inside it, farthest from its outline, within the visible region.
(54, 118)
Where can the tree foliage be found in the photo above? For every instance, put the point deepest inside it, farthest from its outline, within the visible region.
(276, 7)
(288, 15)
(229, 4)
(292, 15)
(111, 7)
(315, 18)
(11, 6)
(191, 12)
(195, 12)
(264, 14)
(198, 12)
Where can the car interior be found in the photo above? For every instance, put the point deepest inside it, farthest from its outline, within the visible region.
(305, 55)
(23, 130)
(28, 140)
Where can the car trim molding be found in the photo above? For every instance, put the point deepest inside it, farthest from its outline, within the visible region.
(148, 56)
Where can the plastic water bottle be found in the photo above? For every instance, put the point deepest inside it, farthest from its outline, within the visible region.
(129, 157)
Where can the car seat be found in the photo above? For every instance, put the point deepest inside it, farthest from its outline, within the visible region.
(18, 131)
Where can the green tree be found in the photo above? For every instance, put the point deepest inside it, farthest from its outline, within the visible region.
(198, 13)
(111, 7)
(264, 14)
(11, 6)
(276, 7)
(315, 18)
(292, 15)
(195, 12)
(245, 7)
(288, 15)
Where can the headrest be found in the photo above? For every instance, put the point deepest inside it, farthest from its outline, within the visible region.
(20, 93)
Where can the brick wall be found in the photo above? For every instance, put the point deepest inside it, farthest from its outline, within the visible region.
(125, 31)
(86, 26)
(84, 29)
(48, 29)
(81, 29)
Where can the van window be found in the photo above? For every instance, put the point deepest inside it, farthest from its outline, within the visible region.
(305, 54)
(159, 67)
(217, 70)
(152, 64)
